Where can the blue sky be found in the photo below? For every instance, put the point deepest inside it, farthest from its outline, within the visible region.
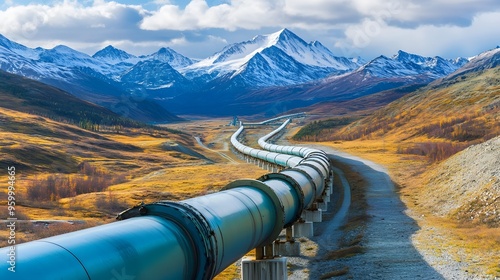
(198, 28)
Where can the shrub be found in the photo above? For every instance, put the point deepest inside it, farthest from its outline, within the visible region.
(435, 151)
(90, 179)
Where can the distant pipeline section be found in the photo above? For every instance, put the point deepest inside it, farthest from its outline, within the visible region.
(296, 115)
(195, 238)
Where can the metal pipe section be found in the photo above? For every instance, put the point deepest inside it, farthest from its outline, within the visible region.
(296, 115)
(313, 158)
(272, 157)
(145, 248)
(195, 238)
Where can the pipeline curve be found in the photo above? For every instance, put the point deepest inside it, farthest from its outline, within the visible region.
(195, 238)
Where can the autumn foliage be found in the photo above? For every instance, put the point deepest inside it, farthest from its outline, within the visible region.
(56, 186)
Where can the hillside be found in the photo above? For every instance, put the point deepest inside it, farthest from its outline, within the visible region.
(29, 96)
(437, 120)
(361, 106)
(466, 187)
(466, 108)
(38, 144)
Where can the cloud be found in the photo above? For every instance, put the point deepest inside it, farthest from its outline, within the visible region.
(199, 28)
(448, 41)
(255, 14)
(37, 20)
(199, 15)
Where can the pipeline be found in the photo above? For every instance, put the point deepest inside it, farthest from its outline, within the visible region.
(275, 158)
(304, 152)
(195, 238)
(296, 115)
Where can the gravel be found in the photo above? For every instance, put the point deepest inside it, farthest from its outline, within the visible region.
(467, 185)
(382, 245)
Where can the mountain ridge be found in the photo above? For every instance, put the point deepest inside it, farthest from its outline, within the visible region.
(277, 67)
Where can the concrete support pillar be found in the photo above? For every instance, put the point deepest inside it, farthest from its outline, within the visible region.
(312, 215)
(323, 205)
(268, 269)
(303, 229)
(288, 247)
(326, 195)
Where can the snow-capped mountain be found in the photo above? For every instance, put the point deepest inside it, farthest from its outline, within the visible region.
(408, 65)
(112, 55)
(437, 65)
(168, 55)
(277, 59)
(153, 75)
(266, 68)
(403, 70)
(486, 60)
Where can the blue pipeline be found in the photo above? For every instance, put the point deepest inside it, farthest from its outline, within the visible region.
(275, 158)
(313, 158)
(195, 238)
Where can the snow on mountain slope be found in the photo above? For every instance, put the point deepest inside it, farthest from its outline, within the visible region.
(168, 55)
(288, 60)
(432, 65)
(112, 55)
(408, 65)
(485, 60)
(153, 74)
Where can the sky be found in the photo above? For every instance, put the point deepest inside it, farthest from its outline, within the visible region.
(199, 28)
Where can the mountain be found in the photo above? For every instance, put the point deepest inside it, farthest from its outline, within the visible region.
(156, 79)
(400, 72)
(253, 76)
(94, 79)
(168, 55)
(485, 60)
(461, 108)
(113, 55)
(281, 58)
(25, 95)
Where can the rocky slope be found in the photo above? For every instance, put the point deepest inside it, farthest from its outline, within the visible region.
(467, 186)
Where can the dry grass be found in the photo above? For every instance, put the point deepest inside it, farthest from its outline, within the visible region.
(152, 173)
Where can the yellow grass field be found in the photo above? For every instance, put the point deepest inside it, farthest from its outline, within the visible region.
(151, 172)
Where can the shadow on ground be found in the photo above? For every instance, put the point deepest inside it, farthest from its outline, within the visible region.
(371, 243)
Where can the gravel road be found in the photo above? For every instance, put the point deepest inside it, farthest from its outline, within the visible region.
(381, 244)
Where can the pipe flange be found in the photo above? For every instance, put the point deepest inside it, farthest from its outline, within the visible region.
(194, 225)
(280, 209)
(322, 163)
(294, 184)
(309, 177)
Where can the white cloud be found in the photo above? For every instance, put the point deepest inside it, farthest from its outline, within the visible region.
(355, 27)
(447, 41)
(199, 15)
(28, 20)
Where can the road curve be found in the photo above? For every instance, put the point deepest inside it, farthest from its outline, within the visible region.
(388, 249)
(228, 158)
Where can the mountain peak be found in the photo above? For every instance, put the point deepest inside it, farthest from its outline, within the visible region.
(170, 56)
(406, 56)
(285, 35)
(112, 54)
